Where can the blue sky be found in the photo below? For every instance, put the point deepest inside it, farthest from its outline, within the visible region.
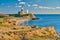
(34, 6)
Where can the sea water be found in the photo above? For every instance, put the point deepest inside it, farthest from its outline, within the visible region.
(46, 20)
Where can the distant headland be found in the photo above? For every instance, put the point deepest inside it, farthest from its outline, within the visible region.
(16, 19)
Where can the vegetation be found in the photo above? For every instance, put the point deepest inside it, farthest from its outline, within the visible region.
(21, 15)
(21, 33)
(11, 32)
(37, 37)
(14, 15)
(18, 35)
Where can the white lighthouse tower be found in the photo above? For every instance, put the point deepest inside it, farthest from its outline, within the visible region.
(27, 11)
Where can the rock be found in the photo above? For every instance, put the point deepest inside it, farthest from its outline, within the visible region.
(50, 31)
(28, 31)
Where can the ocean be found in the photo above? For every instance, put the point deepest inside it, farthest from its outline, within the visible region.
(46, 20)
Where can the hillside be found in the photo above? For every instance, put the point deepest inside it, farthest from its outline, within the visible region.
(10, 31)
(14, 19)
(28, 33)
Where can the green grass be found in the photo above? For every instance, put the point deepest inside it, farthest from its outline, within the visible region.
(22, 15)
(14, 15)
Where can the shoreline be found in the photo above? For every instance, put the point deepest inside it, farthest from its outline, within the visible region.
(25, 30)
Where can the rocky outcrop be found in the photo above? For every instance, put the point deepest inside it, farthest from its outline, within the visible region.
(27, 32)
(50, 31)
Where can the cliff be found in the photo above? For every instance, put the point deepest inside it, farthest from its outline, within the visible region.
(28, 33)
(11, 20)
(50, 31)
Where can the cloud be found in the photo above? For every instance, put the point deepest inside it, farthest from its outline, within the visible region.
(34, 5)
(29, 5)
(21, 2)
(19, 6)
(57, 7)
(43, 7)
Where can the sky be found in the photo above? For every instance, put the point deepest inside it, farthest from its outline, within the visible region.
(33, 6)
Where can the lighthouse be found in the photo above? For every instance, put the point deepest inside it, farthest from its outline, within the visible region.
(21, 11)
